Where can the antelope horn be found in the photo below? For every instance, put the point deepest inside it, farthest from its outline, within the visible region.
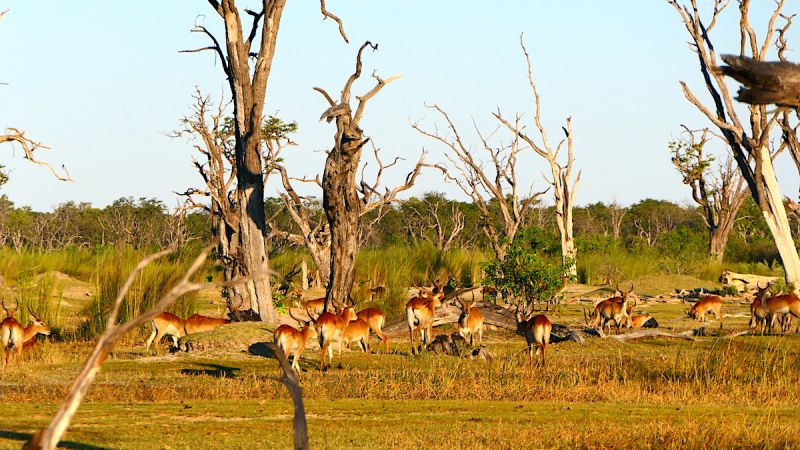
(4, 307)
(311, 316)
(295, 318)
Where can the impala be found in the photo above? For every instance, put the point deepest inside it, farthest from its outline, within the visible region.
(615, 308)
(292, 341)
(330, 328)
(14, 337)
(420, 313)
(709, 304)
(470, 322)
(536, 331)
(375, 318)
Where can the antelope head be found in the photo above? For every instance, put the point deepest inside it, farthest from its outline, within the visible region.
(38, 323)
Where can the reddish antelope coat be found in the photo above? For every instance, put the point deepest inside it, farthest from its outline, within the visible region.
(758, 314)
(375, 318)
(615, 308)
(536, 331)
(14, 337)
(168, 324)
(643, 321)
(292, 341)
(330, 328)
(357, 331)
(420, 313)
(315, 306)
(470, 322)
(786, 305)
(709, 304)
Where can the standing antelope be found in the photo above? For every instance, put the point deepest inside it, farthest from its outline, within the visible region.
(13, 337)
(536, 331)
(293, 342)
(316, 306)
(470, 322)
(758, 314)
(420, 313)
(615, 308)
(375, 318)
(787, 305)
(168, 324)
(357, 331)
(709, 304)
(330, 328)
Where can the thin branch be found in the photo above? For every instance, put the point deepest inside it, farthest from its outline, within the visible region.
(329, 15)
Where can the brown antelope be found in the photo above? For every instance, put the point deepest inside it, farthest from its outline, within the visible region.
(292, 341)
(375, 318)
(14, 337)
(168, 324)
(787, 305)
(643, 321)
(536, 331)
(420, 313)
(357, 331)
(615, 308)
(758, 314)
(330, 328)
(708, 304)
(315, 306)
(470, 322)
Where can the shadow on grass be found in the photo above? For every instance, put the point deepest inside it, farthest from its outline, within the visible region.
(214, 370)
(260, 349)
(25, 437)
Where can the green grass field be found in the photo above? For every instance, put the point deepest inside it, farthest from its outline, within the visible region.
(650, 393)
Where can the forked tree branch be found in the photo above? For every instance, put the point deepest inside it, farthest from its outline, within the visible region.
(50, 436)
(29, 146)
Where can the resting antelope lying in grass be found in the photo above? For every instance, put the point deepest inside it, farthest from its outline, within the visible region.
(470, 323)
(375, 318)
(330, 327)
(708, 304)
(615, 308)
(643, 321)
(168, 324)
(536, 331)
(420, 314)
(15, 338)
(292, 341)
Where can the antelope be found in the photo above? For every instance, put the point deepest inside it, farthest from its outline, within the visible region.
(420, 313)
(536, 331)
(615, 308)
(709, 304)
(470, 322)
(15, 338)
(293, 342)
(375, 318)
(785, 304)
(758, 314)
(316, 306)
(356, 331)
(641, 321)
(168, 324)
(330, 327)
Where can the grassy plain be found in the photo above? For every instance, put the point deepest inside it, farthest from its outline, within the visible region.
(653, 393)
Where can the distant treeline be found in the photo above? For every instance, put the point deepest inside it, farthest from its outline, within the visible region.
(657, 226)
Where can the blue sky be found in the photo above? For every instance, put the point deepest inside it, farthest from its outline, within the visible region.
(101, 82)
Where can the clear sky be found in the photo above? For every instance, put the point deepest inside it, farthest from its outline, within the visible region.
(101, 82)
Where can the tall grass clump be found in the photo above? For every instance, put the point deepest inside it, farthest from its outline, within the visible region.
(40, 295)
(113, 268)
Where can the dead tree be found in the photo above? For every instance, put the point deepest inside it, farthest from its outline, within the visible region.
(564, 186)
(248, 87)
(444, 230)
(491, 191)
(748, 140)
(343, 200)
(617, 213)
(720, 194)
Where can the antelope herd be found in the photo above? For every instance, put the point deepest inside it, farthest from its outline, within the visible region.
(344, 327)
